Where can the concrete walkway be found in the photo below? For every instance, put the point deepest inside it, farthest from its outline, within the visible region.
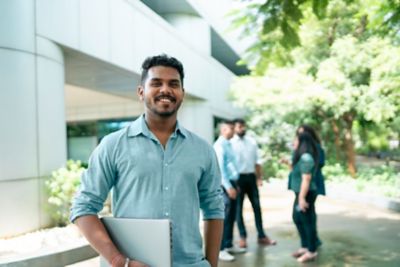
(352, 234)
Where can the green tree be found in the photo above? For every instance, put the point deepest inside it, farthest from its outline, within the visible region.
(275, 25)
(329, 63)
(358, 81)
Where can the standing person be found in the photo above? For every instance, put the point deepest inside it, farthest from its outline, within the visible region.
(153, 172)
(319, 177)
(246, 151)
(303, 183)
(229, 172)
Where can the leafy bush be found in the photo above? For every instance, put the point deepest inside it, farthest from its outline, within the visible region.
(273, 168)
(335, 172)
(275, 140)
(383, 180)
(61, 188)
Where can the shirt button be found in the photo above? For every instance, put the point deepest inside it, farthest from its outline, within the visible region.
(166, 164)
(166, 214)
(166, 188)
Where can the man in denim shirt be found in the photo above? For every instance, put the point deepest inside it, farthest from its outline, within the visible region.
(229, 172)
(156, 169)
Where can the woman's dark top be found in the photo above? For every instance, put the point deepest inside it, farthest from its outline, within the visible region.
(305, 165)
(318, 177)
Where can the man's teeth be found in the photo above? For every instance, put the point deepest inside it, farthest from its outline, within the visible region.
(165, 100)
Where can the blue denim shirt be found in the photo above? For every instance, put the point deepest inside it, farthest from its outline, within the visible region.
(149, 181)
(227, 161)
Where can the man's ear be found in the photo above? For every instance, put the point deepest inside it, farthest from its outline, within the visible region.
(140, 92)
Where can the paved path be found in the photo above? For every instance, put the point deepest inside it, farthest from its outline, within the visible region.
(352, 234)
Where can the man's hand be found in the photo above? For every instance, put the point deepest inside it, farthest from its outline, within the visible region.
(137, 264)
(259, 181)
(232, 193)
(284, 161)
(120, 261)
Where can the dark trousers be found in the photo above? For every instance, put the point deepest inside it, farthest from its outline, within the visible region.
(247, 185)
(229, 221)
(306, 222)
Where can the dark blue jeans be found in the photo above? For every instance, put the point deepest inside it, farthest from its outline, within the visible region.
(306, 222)
(229, 221)
(247, 185)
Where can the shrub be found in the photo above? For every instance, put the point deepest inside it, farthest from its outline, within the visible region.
(61, 188)
(335, 172)
(383, 180)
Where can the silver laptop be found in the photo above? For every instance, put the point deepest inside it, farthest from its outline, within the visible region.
(146, 240)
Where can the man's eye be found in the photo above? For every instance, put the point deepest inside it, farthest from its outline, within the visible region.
(155, 84)
(174, 85)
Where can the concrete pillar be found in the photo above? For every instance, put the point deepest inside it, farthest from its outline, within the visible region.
(33, 135)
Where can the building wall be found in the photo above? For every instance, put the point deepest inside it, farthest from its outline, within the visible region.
(124, 33)
(34, 38)
(83, 104)
(32, 139)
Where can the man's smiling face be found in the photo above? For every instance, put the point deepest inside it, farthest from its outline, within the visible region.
(162, 91)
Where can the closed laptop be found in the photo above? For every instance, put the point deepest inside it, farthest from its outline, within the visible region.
(146, 240)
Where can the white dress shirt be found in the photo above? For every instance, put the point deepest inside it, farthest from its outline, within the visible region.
(246, 151)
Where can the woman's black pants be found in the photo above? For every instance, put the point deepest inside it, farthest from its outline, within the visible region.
(306, 222)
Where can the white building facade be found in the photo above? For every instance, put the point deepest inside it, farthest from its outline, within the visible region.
(69, 61)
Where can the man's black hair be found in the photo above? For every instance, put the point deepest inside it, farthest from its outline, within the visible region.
(240, 121)
(230, 122)
(161, 60)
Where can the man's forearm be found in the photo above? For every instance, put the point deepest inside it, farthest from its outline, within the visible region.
(94, 231)
(212, 239)
(258, 171)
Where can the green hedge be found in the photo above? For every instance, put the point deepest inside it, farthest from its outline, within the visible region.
(383, 180)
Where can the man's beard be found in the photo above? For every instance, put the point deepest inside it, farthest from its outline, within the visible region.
(241, 134)
(163, 113)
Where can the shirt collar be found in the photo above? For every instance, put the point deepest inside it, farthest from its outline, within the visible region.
(139, 126)
(223, 139)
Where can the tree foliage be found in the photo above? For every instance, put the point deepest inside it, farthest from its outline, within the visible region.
(342, 77)
(275, 25)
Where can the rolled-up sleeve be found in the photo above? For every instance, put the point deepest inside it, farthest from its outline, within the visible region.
(210, 191)
(306, 164)
(96, 182)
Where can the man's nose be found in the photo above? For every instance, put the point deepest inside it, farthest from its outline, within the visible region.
(165, 88)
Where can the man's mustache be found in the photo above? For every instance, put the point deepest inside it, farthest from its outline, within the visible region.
(173, 99)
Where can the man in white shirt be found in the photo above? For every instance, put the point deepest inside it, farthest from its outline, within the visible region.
(249, 165)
